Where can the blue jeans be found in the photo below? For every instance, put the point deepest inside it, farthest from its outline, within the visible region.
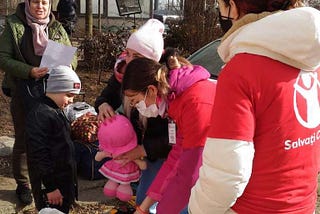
(184, 211)
(147, 177)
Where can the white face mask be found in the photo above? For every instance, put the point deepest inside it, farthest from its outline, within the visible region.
(150, 111)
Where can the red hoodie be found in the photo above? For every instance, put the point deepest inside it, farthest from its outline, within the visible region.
(191, 107)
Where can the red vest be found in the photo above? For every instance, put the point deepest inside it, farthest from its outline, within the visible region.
(276, 107)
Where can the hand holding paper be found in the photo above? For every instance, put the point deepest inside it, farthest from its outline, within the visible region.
(57, 54)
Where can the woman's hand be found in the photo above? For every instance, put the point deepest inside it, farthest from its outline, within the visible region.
(55, 197)
(105, 112)
(133, 154)
(38, 73)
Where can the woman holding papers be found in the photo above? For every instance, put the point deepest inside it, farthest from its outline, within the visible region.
(23, 42)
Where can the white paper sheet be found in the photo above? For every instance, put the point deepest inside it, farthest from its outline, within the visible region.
(57, 54)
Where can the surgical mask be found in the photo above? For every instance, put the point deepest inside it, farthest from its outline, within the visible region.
(150, 111)
(225, 22)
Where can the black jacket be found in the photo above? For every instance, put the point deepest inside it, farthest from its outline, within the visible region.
(67, 14)
(154, 138)
(67, 10)
(50, 150)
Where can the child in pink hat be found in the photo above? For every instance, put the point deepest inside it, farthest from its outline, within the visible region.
(117, 136)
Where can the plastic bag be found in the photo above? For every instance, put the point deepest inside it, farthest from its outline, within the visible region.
(77, 109)
(50, 211)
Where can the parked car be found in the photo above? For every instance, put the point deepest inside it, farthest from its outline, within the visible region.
(208, 57)
(167, 15)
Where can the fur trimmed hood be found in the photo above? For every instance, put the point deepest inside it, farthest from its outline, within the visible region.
(291, 37)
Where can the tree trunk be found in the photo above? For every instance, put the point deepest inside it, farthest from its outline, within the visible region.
(99, 15)
(200, 21)
(89, 18)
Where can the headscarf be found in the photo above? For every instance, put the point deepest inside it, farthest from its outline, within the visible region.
(38, 26)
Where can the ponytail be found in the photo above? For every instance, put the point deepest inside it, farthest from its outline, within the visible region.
(172, 60)
(162, 79)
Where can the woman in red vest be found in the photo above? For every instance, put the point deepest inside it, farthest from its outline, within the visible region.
(262, 152)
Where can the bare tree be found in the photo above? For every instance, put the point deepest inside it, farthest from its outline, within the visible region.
(89, 18)
(314, 3)
(200, 21)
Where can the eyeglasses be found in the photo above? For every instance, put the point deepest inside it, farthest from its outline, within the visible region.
(134, 55)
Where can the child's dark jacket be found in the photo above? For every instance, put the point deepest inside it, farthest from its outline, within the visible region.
(50, 150)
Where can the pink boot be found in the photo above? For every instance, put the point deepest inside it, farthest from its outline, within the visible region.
(124, 192)
(110, 188)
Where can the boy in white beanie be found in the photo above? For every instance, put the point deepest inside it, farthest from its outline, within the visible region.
(50, 151)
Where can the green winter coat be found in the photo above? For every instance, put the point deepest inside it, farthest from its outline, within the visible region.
(12, 61)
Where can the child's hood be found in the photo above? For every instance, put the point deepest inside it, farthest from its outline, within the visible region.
(181, 79)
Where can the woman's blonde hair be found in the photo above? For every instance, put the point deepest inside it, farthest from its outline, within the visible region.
(162, 79)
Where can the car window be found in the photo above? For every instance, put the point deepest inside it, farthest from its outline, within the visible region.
(208, 57)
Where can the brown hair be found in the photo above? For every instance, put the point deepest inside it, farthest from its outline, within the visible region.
(142, 72)
(170, 55)
(258, 6)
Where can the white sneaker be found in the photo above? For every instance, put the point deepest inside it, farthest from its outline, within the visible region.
(153, 208)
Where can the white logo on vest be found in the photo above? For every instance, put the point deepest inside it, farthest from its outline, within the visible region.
(307, 86)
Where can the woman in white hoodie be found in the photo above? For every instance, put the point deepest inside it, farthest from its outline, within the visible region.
(262, 152)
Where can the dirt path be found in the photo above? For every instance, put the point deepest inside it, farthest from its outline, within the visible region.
(91, 198)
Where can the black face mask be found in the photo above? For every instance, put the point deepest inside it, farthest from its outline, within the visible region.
(225, 24)
(225, 21)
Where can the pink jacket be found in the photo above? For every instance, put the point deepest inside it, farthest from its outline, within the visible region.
(190, 106)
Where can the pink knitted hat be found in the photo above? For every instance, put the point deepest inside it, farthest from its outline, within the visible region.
(148, 40)
(117, 135)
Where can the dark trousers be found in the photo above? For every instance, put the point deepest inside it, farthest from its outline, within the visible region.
(41, 201)
(19, 158)
(24, 96)
(67, 189)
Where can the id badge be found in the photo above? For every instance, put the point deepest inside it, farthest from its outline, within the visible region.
(172, 132)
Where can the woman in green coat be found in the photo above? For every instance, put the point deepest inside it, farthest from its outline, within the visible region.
(23, 42)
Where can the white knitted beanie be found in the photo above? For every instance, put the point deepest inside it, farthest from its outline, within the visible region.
(148, 40)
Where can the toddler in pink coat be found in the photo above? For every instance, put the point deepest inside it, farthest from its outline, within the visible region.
(117, 136)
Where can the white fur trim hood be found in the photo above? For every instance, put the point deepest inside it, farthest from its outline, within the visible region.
(283, 36)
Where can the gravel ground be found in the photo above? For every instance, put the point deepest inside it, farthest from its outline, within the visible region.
(91, 198)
